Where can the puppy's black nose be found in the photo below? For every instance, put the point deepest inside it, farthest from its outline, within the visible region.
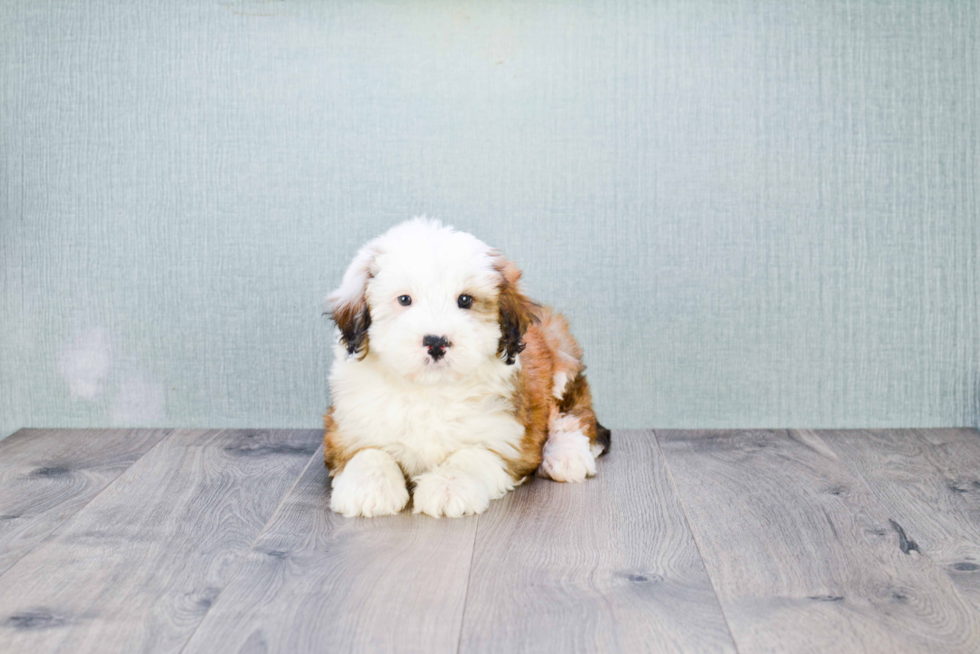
(437, 345)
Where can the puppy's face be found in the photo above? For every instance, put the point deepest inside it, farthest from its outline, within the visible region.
(430, 303)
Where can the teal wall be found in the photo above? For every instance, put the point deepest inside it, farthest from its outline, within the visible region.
(754, 213)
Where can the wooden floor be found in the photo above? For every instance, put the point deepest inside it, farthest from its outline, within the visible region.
(749, 541)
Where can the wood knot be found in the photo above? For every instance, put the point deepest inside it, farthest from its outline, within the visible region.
(39, 619)
(50, 472)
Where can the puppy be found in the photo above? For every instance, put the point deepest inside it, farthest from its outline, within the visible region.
(448, 380)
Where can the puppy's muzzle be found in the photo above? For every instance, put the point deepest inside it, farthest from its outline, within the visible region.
(437, 346)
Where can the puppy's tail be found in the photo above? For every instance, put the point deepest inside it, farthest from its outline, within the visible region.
(603, 437)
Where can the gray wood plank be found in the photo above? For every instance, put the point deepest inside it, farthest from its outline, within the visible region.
(930, 481)
(46, 475)
(803, 557)
(316, 581)
(137, 569)
(608, 565)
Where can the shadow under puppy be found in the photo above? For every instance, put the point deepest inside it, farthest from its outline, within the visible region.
(446, 378)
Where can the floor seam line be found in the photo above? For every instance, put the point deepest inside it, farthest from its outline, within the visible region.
(469, 577)
(250, 548)
(694, 538)
(45, 540)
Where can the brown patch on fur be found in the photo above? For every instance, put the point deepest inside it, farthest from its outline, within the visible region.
(485, 307)
(335, 453)
(532, 403)
(549, 348)
(568, 353)
(353, 320)
(516, 313)
(348, 305)
(577, 401)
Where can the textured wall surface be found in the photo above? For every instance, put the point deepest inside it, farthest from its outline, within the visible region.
(754, 213)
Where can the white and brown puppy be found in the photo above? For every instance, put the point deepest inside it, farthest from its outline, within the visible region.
(447, 379)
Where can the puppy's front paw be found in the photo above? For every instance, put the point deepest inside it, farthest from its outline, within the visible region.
(371, 484)
(567, 457)
(450, 493)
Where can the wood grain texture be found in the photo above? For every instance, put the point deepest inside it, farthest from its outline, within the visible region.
(316, 581)
(930, 481)
(608, 565)
(46, 475)
(803, 557)
(138, 568)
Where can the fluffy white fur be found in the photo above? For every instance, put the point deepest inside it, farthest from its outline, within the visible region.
(567, 453)
(372, 484)
(440, 421)
(462, 485)
(449, 423)
(561, 380)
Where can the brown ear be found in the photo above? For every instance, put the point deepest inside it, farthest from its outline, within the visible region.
(348, 304)
(515, 311)
(353, 324)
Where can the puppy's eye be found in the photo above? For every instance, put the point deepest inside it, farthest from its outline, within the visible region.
(464, 301)
(404, 300)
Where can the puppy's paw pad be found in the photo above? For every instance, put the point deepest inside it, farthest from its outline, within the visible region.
(567, 457)
(368, 495)
(449, 493)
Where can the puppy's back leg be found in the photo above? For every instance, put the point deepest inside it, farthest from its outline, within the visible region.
(575, 437)
(577, 401)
